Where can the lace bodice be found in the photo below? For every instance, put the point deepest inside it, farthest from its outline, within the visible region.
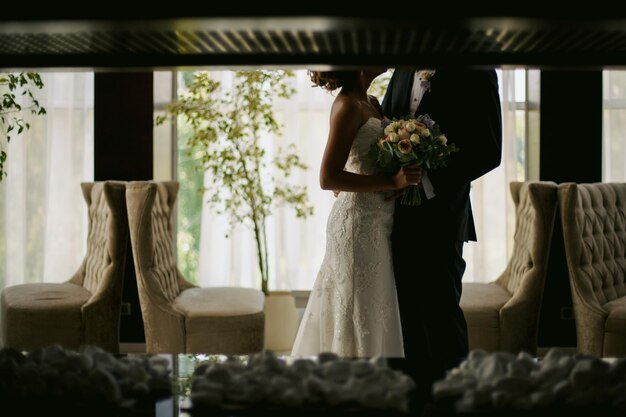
(358, 160)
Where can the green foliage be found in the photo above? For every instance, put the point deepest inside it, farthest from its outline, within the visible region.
(379, 85)
(229, 131)
(191, 179)
(17, 97)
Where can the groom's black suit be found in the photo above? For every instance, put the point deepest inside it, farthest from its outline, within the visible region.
(427, 240)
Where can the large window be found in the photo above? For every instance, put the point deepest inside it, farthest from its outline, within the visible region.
(614, 126)
(494, 211)
(297, 246)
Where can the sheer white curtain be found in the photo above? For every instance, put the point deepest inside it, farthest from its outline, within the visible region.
(494, 211)
(297, 246)
(43, 219)
(614, 126)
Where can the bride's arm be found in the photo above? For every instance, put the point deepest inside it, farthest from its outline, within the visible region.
(345, 121)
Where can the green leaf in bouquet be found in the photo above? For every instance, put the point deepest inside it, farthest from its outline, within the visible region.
(389, 148)
(374, 152)
(389, 165)
(382, 154)
(406, 158)
(385, 158)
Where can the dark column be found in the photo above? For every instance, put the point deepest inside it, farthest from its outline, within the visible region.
(123, 126)
(571, 126)
(123, 122)
(571, 151)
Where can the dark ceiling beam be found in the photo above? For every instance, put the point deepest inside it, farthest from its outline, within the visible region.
(115, 62)
(308, 40)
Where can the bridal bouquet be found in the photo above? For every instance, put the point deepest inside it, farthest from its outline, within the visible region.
(412, 141)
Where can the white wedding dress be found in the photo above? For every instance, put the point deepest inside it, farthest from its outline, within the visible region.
(353, 308)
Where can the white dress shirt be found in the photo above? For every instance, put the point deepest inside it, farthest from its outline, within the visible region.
(417, 92)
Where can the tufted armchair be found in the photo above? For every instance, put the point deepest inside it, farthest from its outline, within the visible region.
(503, 315)
(180, 317)
(86, 308)
(594, 232)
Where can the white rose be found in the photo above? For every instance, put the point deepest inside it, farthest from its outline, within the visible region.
(415, 138)
(410, 127)
(389, 128)
(392, 137)
(443, 139)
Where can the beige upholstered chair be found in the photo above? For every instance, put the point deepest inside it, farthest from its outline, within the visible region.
(180, 317)
(86, 308)
(503, 315)
(594, 233)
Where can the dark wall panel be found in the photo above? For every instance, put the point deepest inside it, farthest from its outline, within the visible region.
(571, 151)
(123, 126)
(571, 126)
(123, 123)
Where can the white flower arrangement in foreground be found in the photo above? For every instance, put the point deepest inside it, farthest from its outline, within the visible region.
(266, 380)
(91, 380)
(506, 381)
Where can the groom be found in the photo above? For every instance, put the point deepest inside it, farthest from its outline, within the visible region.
(427, 240)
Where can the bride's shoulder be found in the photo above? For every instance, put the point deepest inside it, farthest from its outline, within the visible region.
(345, 101)
(345, 106)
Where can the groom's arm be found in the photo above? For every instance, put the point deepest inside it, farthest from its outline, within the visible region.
(474, 124)
(393, 105)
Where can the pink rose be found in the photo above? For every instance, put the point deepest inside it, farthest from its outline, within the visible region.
(403, 134)
(405, 146)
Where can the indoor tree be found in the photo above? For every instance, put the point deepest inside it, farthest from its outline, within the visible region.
(17, 97)
(228, 131)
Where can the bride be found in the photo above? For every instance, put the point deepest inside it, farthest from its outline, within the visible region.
(353, 310)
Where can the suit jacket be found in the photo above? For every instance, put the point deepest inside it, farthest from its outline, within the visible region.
(466, 104)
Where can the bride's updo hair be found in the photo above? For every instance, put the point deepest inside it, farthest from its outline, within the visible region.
(332, 80)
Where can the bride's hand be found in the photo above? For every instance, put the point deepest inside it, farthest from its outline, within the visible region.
(409, 175)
